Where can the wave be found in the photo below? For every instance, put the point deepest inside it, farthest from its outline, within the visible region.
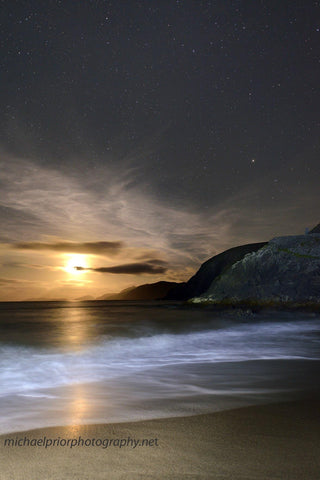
(29, 369)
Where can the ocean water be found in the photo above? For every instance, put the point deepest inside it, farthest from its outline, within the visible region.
(69, 363)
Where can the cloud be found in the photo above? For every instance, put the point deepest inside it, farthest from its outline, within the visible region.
(82, 208)
(8, 281)
(42, 205)
(94, 248)
(151, 267)
(14, 281)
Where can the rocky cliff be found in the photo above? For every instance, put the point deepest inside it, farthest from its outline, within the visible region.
(285, 270)
(210, 271)
(316, 229)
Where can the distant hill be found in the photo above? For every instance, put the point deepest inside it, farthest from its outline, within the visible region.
(85, 298)
(210, 270)
(45, 299)
(148, 291)
(115, 295)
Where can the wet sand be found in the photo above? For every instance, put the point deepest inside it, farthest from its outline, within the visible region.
(277, 441)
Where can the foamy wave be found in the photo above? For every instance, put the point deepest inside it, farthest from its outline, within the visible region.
(24, 370)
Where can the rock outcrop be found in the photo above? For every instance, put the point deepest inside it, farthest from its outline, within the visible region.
(285, 270)
(210, 271)
(316, 229)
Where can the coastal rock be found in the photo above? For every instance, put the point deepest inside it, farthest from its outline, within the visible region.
(285, 270)
(316, 229)
(210, 271)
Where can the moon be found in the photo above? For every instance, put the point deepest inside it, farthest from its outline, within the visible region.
(76, 261)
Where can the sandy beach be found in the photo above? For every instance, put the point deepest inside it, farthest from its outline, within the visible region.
(276, 441)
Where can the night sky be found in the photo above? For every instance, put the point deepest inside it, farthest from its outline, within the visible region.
(140, 138)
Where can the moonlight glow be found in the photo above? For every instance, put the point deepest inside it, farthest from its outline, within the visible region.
(74, 261)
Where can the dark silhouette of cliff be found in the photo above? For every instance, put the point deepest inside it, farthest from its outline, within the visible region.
(316, 229)
(210, 270)
(285, 272)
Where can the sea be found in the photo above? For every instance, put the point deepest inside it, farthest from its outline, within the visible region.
(73, 363)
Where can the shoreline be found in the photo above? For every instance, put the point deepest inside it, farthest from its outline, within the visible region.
(277, 440)
(255, 306)
(226, 305)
